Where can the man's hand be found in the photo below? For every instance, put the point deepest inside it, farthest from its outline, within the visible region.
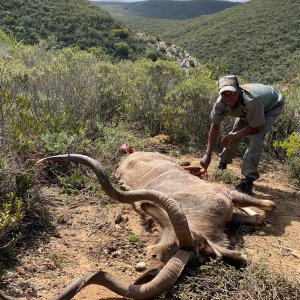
(205, 161)
(231, 137)
(228, 139)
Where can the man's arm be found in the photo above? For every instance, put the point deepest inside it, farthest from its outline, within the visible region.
(213, 135)
(234, 136)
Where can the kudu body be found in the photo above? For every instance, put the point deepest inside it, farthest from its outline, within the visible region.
(208, 207)
(192, 215)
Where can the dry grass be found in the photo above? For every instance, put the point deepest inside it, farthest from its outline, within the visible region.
(217, 281)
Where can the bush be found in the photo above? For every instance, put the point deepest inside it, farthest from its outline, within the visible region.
(15, 112)
(122, 49)
(11, 212)
(152, 55)
(121, 33)
(286, 133)
(291, 145)
(149, 84)
(186, 110)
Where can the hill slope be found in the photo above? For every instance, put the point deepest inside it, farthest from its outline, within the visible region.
(70, 22)
(258, 40)
(167, 9)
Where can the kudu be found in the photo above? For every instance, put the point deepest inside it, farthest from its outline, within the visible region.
(191, 213)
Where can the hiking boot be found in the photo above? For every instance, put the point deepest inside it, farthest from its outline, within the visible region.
(245, 186)
(222, 166)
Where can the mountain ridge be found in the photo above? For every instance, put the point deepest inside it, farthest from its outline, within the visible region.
(167, 9)
(258, 40)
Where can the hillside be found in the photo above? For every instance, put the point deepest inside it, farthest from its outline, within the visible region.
(166, 9)
(258, 40)
(263, 45)
(68, 23)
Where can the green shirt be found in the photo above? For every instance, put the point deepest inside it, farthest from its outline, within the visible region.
(256, 99)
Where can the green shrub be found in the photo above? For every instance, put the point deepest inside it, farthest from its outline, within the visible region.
(57, 143)
(132, 238)
(15, 112)
(24, 181)
(152, 54)
(291, 145)
(284, 139)
(107, 147)
(11, 212)
(187, 106)
(3, 167)
(122, 49)
(99, 53)
(121, 33)
(149, 84)
(287, 123)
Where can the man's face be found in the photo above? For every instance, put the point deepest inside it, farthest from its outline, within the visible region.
(230, 98)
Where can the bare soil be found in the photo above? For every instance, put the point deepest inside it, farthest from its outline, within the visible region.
(93, 232)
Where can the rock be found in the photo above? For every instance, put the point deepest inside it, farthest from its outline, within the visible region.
(116, 253)
(30, 268)
(118, 218)
(296, 253)
(118, 227)
(173, 52)
(125, 218)
(141, 266)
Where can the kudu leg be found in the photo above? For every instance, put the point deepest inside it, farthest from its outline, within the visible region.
(231, 257)
(209, 248)
(241, 200)
(250, 219)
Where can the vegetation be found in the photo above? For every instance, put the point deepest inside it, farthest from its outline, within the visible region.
(70, 101)
(292, 148)
(257, 40)
(132, 238)
(217, 281)
(67, 23)
(225, 176)
(166, 9)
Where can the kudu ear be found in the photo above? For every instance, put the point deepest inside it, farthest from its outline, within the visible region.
(167, 243)
(167, 234)
(158, 214)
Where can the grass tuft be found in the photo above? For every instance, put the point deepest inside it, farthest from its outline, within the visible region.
(217, 281)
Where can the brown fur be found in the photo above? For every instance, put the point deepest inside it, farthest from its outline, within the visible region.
(208, 206)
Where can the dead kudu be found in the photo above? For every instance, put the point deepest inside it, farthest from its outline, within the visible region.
(191, 213)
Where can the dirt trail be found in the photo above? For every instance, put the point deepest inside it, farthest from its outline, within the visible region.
(97, 233)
